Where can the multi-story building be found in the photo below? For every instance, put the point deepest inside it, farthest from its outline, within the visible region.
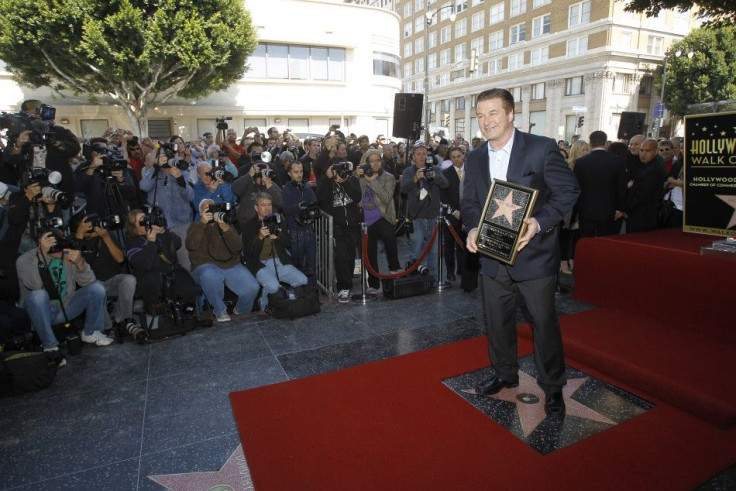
(318, 63)
(567, 62)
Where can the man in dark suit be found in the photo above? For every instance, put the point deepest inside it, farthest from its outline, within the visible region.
(450, 196)
(531, 161)
(602, 178)
(646, 190)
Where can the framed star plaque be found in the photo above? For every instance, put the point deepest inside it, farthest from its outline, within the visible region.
(502, 222)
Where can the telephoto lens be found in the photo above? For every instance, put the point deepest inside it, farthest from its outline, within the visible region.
(139, 334)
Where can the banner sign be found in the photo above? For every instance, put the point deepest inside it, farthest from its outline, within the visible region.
(710, 174)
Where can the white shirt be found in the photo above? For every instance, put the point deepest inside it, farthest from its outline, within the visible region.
(498, 160)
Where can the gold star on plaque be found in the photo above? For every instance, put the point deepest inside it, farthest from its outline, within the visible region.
(730, 200)
(506, 207)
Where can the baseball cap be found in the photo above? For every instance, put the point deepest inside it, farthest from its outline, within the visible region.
(3, 190)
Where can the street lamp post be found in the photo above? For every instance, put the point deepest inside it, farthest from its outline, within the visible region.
(660, 120)
(429, 16)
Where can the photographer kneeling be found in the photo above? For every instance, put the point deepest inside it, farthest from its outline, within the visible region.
(214, 247)
(151, 254)
(49, 276)
(265, 243)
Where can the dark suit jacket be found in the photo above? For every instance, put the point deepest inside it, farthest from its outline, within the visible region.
(602, 178)
(643, 198)
(535, 162)
(451, 195)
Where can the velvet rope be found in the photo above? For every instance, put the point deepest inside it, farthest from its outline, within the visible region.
(369, 267)
(455, 235)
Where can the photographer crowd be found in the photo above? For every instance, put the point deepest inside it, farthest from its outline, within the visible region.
(109, 234)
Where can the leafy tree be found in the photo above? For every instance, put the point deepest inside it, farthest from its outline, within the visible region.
(715, 13)
(708, 75)
(135, 53)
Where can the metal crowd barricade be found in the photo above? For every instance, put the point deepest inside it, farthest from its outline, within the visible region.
(323, 228)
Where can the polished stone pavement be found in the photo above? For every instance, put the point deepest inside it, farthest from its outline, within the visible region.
(117, 416)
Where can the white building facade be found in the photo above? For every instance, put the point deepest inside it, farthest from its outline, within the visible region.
(318, 63)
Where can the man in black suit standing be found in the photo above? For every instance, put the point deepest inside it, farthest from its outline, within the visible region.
(450, 197)
(531, 161)
(642, 201)
(602, 178)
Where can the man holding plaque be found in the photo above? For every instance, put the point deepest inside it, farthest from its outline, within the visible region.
(519, 161)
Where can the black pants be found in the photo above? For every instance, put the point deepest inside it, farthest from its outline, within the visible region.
(454, 254)
(500, 302)
(386, 232)
(347, 242)
(150, 286)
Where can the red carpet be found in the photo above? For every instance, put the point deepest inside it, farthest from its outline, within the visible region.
(393, 425)
(660, 275)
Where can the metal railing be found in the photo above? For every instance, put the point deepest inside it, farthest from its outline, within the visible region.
(324, 231)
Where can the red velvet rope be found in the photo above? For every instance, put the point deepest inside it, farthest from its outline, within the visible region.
(455, 235)
(369, 267)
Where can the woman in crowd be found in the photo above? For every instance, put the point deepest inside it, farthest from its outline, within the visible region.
(570, 230)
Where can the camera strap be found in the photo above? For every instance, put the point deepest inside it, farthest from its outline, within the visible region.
(224, 242)
(51, 287)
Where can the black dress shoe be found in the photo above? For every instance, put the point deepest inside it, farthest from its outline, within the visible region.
(493, 385)
(555, 404)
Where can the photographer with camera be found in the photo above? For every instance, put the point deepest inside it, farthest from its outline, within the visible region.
(378, 213)
(214, 247)
(308, 160)
(167, 188)
(334, 150)
(103, 254)
(422, 182)
(265, 245)
(212, 184)
(106, 183)
(34, 140)
(300, 210)
(151, 253)
(49, 276)
(259, 177)
(339, 193)
(230, 143)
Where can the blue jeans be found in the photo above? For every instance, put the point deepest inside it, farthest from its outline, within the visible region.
(213, 279)
(422, 233)
(44, 314)
(267, 278)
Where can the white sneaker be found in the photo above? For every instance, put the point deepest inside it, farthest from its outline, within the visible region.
(223, 317)
(343, 296)
(97, 338)
(373, 291)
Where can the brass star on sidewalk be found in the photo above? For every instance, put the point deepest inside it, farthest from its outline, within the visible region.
(506, 207)
(730, 200)
(233, 476)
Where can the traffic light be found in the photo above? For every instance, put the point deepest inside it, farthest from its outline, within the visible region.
(581, 121)
(473, 61)
(446, 120)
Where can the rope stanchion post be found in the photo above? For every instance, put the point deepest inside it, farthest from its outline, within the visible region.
(441, 284)
(363, 297)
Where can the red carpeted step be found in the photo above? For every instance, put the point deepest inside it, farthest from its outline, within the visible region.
(688, 370)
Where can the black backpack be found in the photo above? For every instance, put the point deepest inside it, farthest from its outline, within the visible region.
(26, 371)
(293, 303)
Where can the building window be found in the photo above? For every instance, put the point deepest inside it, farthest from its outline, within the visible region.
(577, 47)
(622, 83)
(407, 10)
(419, 64)
(654, 45)
(432, 61)
(419, 45)
(516, 92)
(445, 11)
(538, 91)
(574, 86)
(478, 45)
(418, 5)
(516, 62)
(475, 3)
(444, 79)
(461, 28)
(496, 14)
(624, 40)
(646, 85)
(540, 3)
(540, 56)
(280, 61)
(386, 64)
(461, 52)
(460, 125)
(96, 127)
(419, 24)
(495, 41)
(445, 57)
(518, 7)
(540, 25)
(445, 105)
(461, 5)
(445, 34)
(432, 40)
(494, 67)
(408, 50)
(579, 14)
(478, 21)
(408, 29)
(517, 33)
(460, 103)
(408, 69)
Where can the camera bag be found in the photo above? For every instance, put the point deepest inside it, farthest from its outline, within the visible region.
(293, 303)
(26, 371)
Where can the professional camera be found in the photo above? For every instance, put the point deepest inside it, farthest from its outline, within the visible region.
(221, 124)
(218, 171)
(264, 171)
(223, 212)
(63, 241)
(108, 222)
(367, 169)
(139, 334)
(429, 171)
(343, 169)
(154, 217)
(171, 150)
(47, 113)
(47, 179)
(309, 211)
(112, 160)
(260, 157)
(40, 130)
(273, 223)
(421, 270)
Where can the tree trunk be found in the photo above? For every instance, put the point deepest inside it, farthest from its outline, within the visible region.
(138, 116)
